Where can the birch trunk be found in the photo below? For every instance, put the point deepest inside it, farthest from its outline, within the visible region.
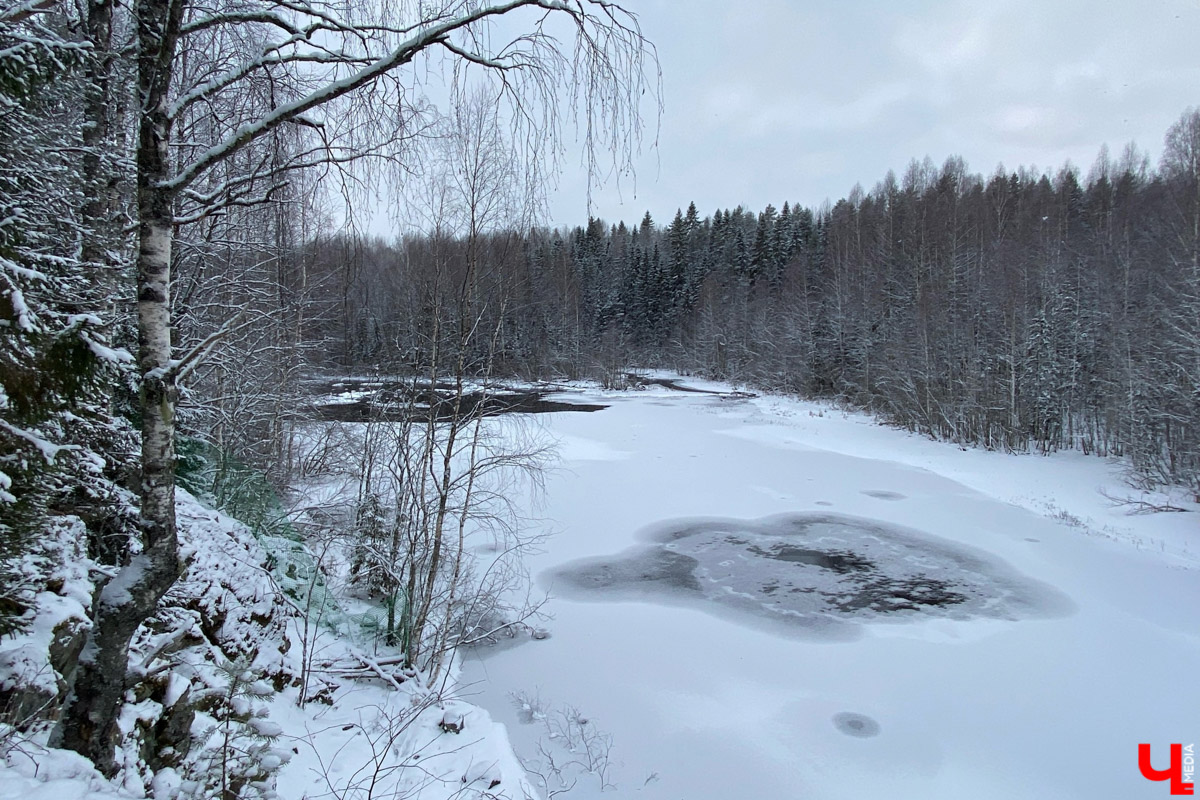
(89, 721)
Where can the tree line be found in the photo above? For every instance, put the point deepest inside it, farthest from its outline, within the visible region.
(1020, 311)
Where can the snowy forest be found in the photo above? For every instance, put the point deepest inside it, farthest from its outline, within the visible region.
(176, 274)
(1022, 311)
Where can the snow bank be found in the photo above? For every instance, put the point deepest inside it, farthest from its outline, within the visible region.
(32, 661)
(224, 658)
(35, 773)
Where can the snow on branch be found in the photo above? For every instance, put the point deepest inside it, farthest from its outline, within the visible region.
(241, 17)
(48, 449)
(366, 69)
(211, 206)
(23, 11)
(180, 368)
(22, 272)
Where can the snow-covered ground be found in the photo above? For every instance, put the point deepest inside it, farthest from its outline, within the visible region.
(369, 729)
(751, 597)
(702, 700)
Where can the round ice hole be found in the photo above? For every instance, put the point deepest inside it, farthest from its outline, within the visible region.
(858, 725)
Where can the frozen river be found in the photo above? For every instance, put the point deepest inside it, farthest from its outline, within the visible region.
(759, 599)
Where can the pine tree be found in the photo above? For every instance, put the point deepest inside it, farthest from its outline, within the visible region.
(62, 453)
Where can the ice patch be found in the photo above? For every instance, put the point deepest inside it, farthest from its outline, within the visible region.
(824, 574)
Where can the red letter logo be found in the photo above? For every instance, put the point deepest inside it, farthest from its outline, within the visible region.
(1174, 773)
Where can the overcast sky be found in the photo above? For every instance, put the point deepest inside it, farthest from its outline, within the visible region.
(798, 100)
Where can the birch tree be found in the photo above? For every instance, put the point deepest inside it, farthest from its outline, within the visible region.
(1181, 165)
(346, 67)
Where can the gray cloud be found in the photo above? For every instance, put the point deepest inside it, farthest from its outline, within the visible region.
(775, 100)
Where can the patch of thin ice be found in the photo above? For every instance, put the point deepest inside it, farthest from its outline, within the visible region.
(819, 572)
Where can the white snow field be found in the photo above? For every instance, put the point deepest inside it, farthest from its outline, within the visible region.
(1077, 635)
